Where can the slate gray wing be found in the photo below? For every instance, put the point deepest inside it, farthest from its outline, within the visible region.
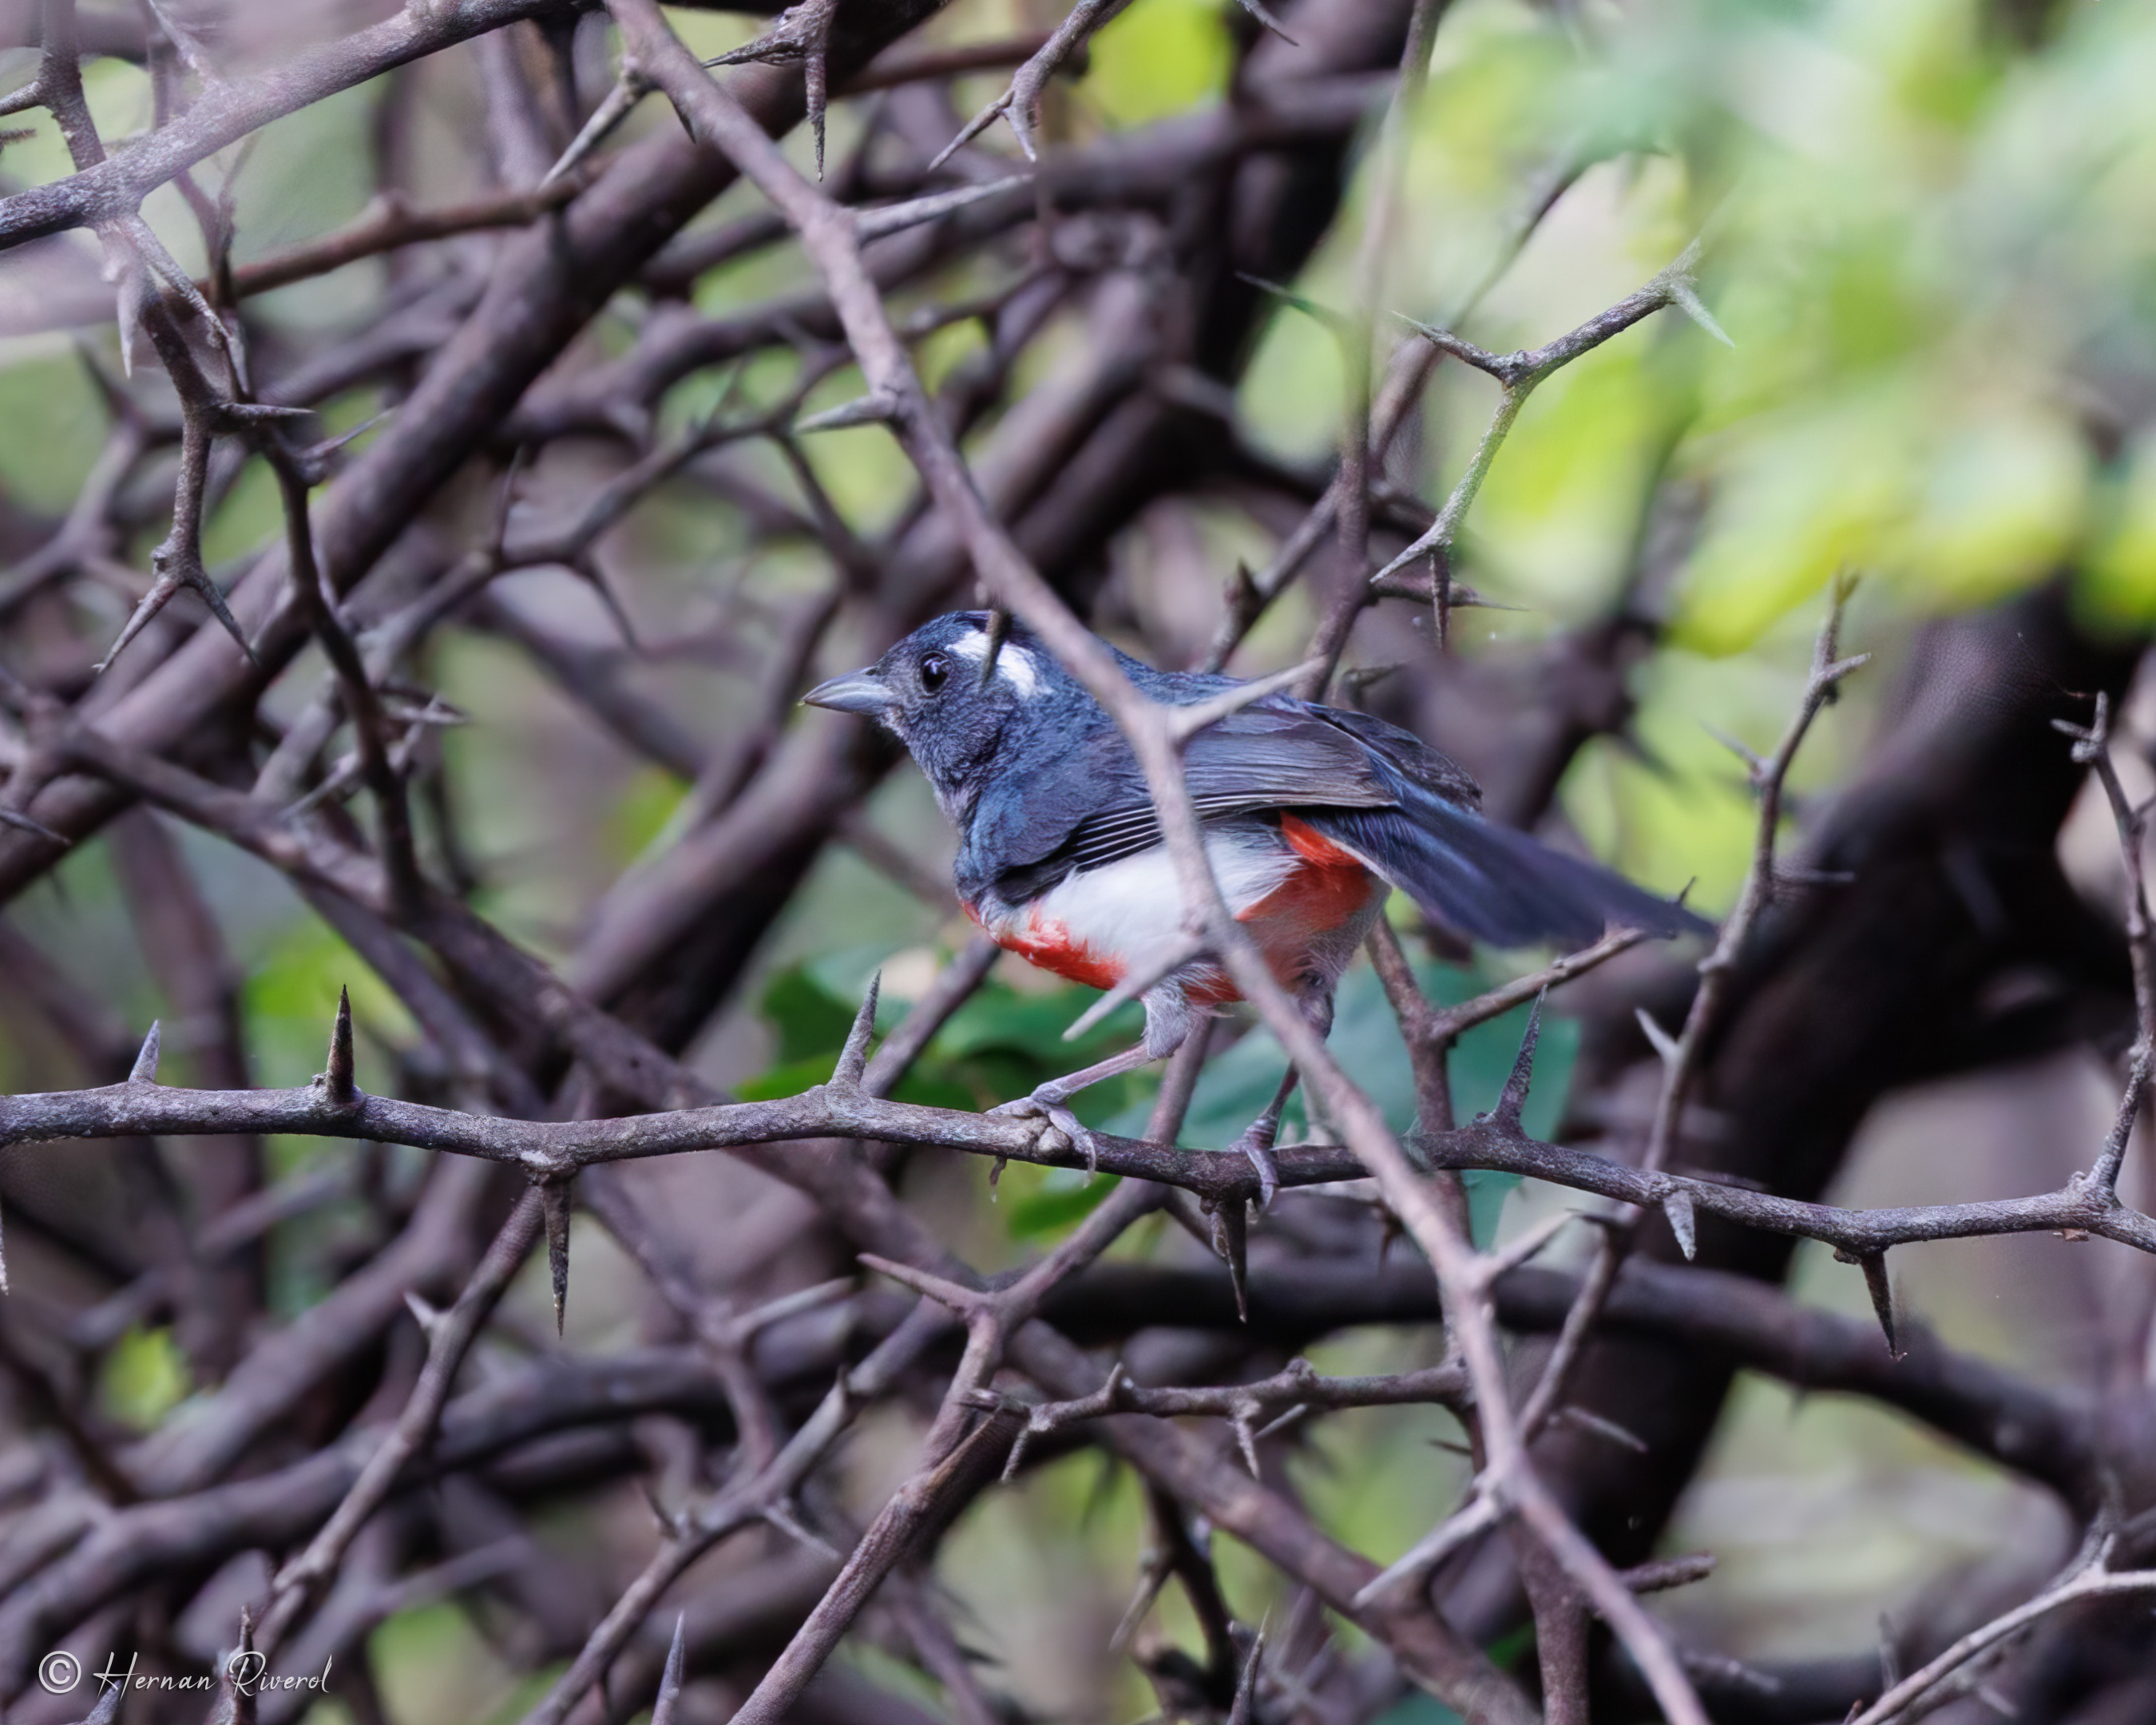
(1265, 757)
(1407, 753)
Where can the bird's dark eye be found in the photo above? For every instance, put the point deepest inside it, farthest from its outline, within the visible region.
(934, 672)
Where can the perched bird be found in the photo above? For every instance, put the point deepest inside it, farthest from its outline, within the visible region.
(1310, 814)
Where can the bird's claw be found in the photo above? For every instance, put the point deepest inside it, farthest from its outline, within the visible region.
(1256, 1143)
(1053, 1112)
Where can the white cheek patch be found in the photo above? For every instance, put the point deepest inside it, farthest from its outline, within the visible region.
(1015, 665)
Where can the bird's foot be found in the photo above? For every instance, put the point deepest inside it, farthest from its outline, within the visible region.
(1256, 1143)
(1047, 1104)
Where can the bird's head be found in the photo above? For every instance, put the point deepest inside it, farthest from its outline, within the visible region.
(931, 692)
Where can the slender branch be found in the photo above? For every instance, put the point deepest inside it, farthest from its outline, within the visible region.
(2092, 1582)
(689, 1533)
(390, 226)
(2092, 749)
(226, 114)
(1682, 1058)
(1518, 375)
(449, 1338)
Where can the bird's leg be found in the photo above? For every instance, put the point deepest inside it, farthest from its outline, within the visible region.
(1257, 1138)
(1047, 1102)
(1256, 1141)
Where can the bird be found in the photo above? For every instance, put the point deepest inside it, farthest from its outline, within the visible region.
(1310, 815)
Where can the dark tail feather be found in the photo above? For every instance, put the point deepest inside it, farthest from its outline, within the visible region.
(1494, 883)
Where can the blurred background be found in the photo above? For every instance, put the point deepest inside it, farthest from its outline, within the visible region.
(1928, 232)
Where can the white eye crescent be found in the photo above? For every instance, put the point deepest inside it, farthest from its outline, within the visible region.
(1015, 665)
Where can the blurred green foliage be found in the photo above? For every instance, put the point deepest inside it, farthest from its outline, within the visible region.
(1932, 245)
(1157, 57)
(144, 1378)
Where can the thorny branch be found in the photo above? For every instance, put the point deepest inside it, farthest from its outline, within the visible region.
(1019, 477)
(1681, 1057)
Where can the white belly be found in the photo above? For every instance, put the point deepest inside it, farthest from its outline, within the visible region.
(1128, 911)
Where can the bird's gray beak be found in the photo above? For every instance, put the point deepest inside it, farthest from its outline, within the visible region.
(862, 691)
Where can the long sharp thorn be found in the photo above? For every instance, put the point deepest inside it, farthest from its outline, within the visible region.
(960, 1300)
(670, 1522)
(127, 311)
(1333, 320)
(877, 407)
(1685, 298)
(1285, 1420)
(554, 1198)
(1016, 1453)
(108, 1706)
(972, 129)
(627, 91)
(238, 1707)
(999, 627)
(423, 1312)
(816, 71)
(1421, 548)
(1881, 1289)
(895, 218)
(337, 1076)
(1664, 1045)
(1020, 116)
(595, 577)
(1243, 1710)
(1430, 1550)
(1231, 1239)
(670, 1683)
(900, 217)
(1153, 1578)
(854, 1057)
(1676, 1207)
(145, 1070)
(1755, 763)
(786, 1522)
(1609, 1429)
(199, 580)
(22, 824)
(1187, 721)
(1135, 983)
(161, 590)
(1514, 1096)
(1528, 1244)
(1268, 21)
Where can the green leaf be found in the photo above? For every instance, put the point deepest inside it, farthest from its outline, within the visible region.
(1418, 1709)
(1510, 1650)
(999, 1018)
(145, 1377)
(788, 1078)
(809, 1018)
(1366, 1041)
(1059, 1206)
(1158, 58)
